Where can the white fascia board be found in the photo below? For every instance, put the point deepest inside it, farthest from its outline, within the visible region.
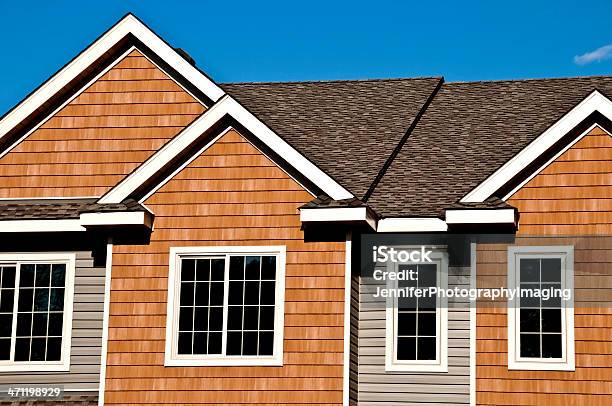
(226, 106)
(128, 25)
(594, 102)
(409, 225)
(332, 214)
(480, 216)
(40, 226)
(127, 218)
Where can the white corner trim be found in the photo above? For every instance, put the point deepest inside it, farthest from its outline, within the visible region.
(105, 321)
(125, 218)
(171, 358)
(594, 102)
(346, 374)
(400, 225)
(68, 258)
(338, 214)
(128, 25)
(480, 216)
(42, 226)
(568, 361)
(473, 314)
(226, 106)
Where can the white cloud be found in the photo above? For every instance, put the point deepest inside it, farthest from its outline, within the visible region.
(597, 55)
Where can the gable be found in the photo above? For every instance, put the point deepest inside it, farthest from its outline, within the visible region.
(573, 194)
(100, 136)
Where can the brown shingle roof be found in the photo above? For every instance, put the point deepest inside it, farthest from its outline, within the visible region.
(52, 209)
(347, 128)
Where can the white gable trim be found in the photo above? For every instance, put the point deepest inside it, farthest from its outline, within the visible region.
(411, 225)
(480, 216)
(128, 25)
(327, 214)
(594, 102)
(226, 106)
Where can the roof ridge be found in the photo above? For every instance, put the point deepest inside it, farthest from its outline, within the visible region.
(332, 81)
(402, 141)
(528, 79)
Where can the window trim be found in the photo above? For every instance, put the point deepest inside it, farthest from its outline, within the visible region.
(68, 258)
(567, 362)
(440, 258)
(172, 358)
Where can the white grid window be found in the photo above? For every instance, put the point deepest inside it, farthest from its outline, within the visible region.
(540, 332)
(226, 306)
(35, 311)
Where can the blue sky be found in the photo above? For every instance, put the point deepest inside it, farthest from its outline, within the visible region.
(314, 40)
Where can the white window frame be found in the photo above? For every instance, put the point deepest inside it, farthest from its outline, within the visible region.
(68, 258)
(567, 361)
(172, 358)
(440, 364)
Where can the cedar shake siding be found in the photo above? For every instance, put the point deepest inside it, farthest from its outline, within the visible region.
(230, 195)
(568, 203)
(100, 136)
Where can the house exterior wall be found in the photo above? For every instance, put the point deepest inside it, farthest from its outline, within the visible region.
(81, 382)
(230, 195)
(102, 135)
(375, 386)
(568, 203)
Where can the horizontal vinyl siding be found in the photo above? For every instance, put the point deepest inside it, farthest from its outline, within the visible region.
(230, 195)
(591, 383)
(86, 334)
(101, 136)
(375, 386)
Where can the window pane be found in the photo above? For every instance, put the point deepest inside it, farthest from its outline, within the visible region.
(266, 318)
(236, 293)
(200, 322)
(426, 348)
(427, 324)
(407, 303)
(26, 275)
(203, 270)
(22, 349)
(187, 290)
(251, 317)
(530, 345)
(186, 319)
(216, 293)
(5, 349)
(217, 269)
(41, 300)
(268, 293)
(39, 324)
(426, 275)
(184, 343)
(530, 320)
(24, 324)
(43, 275)
(56, 321)
(406, 348)
(37, 352)
(58, 275)
(54, 349)
(236, 271)
(234, 318)
(253, 265)
(528, 295)
(57, 300)
(26, 296)
(249, 343)
(406, 324)
(530, 270)
(188, 270)
(8, 277)
(215, 320)
(551, 270)
(6, 325)
(214, 343)
(268, 268)
(551, 346)
(201, 293)
(551, 301)
(551, 320)
(266, 343)
(200, 343)
(6, 300)
(251, 293)
(234, 343)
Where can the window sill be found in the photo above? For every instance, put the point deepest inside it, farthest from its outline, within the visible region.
(541, 365)
(34, 367)
(224, 362)
(397, 367)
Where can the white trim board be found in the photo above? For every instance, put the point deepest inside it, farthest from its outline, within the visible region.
(226, 106)
(401, 225)
(338, 214)
(480, 216)
(105, 321)
(346, 370)
(592, 103)
(127, 25)
(80, 224)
